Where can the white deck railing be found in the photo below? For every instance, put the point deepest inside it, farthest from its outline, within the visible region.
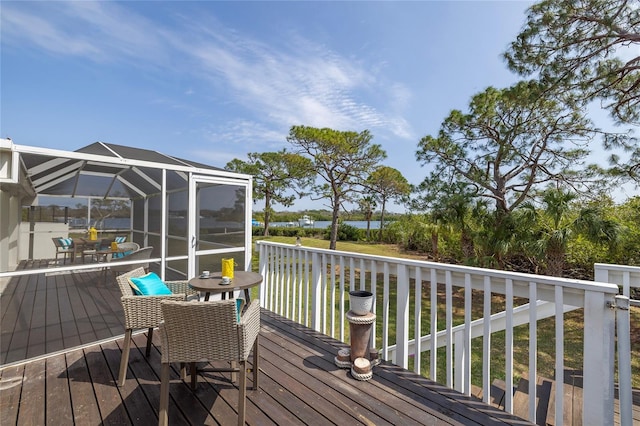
(311, 285)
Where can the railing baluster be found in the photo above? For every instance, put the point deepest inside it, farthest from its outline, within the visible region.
(417, 349)
(626, 283)
(352, 274)
(449, 326)
(274, 282)
(433, 308)
(374, 290)
(305, 288)
(316, 291)
(559, 396)
(385, 312)
(323, 304)
(533, 351)
(468, 299)
(486, 342)
(287, 286)
(508, 350)
(262, 262)
(333, 296)
(402, 315)
(342, 312)
(294, 283)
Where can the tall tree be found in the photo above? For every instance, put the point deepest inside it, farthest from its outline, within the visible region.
(588, 45)
(590, 49)
(510, 142)
(341, 160)
(388, 184)
(275, 174)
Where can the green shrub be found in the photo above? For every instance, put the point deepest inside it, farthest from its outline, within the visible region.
(345, 233)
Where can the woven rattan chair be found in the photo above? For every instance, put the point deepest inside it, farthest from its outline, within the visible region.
(196, 331)
(64, 251)
(143, 312)
(141, 254)
(129, 247)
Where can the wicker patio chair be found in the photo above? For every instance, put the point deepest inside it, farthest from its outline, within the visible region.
(129, 248)
(144, 312)
(196, 331)
(141, 254)
(63, 250)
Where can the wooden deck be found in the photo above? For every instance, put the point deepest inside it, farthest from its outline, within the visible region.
(61, 311)
(45, 313)
(299, 384)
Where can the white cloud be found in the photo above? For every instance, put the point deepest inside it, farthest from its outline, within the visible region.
(299, 82)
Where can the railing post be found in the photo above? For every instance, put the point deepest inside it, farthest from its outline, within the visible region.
(599, 323)
(402, 322)
(624, 360)
(316, 291)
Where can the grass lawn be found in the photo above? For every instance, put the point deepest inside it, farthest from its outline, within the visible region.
(573, 323)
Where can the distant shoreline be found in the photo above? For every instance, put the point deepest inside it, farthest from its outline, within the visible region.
(323, 224)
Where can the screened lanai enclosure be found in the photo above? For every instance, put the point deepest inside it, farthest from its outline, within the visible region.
(188, 215)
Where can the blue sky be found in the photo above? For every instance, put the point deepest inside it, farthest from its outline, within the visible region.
(211, 80)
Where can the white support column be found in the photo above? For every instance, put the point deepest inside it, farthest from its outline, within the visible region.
(164, 224)
(402, 321)
(599, 323)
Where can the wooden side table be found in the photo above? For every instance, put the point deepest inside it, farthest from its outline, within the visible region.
(242, 280)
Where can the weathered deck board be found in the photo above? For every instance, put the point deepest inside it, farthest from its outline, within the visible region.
(45, 313)
(299, 384)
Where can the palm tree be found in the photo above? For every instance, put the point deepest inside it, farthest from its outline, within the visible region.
(558, 222)
(367, 205)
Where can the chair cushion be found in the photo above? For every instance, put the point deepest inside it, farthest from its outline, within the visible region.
(121, 239)
(239, 303)
(65, 243)
(149, 285)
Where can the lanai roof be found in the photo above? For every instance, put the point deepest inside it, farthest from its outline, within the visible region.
(107, 170)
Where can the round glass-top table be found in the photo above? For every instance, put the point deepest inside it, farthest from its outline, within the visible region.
(242, 280)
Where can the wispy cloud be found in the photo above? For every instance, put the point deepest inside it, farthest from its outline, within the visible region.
(98, 31)
(298, 82)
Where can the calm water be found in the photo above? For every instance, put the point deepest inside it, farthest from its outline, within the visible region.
(124, 223)
(324, 224)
